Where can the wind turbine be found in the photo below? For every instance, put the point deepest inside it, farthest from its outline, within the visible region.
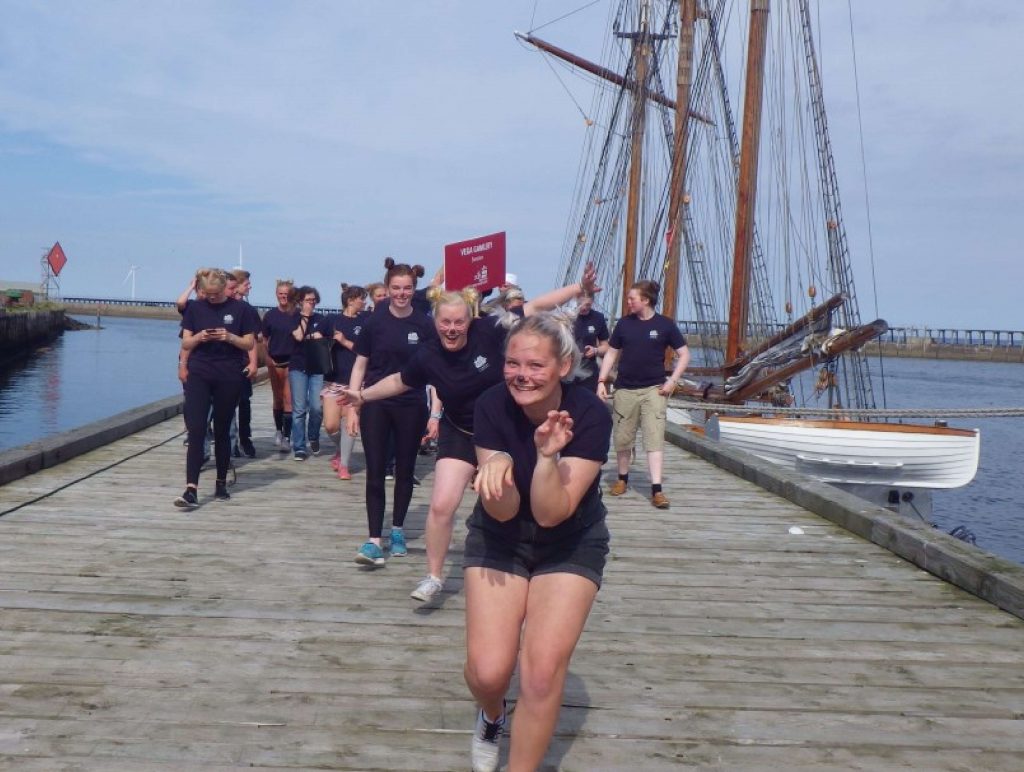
(131, 275)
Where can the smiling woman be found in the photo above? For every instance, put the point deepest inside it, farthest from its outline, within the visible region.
(537, 541)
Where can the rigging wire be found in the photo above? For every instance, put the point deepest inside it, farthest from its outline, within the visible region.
(560, 18)
(864, 172)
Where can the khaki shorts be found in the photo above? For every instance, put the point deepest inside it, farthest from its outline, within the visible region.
(639, 407)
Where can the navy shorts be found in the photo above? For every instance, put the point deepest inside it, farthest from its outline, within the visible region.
(452, 442)
(582, 553)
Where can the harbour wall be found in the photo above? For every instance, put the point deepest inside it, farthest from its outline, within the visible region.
(23, 330)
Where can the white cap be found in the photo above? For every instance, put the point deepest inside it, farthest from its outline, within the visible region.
(511, 278)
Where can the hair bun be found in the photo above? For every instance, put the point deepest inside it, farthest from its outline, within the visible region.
(419, 270)
(389, 263)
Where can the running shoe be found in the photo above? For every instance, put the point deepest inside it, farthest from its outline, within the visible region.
(427, 589)
(484, 750)
(370, 555)
(278, 439)
(389, 474)
(415, 481)
(300, 455)
(236, 452)
(343, 473)
(335, 461)
(221, 491)
(187, 500)
(248, 448)
(314, 446)
(398, 548)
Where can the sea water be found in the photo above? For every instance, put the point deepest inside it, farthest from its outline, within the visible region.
(92, 374)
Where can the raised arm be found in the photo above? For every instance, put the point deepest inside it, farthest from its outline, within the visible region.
(557, 297)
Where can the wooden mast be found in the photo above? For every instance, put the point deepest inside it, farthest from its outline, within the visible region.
(677, 189)
(739, 299)
(643, 51)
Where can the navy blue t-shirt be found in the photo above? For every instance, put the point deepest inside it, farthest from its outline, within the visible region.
(277, 331)
(499, 424)
(219, 360)
(344, 357)
(589, 330)
(389, 342)
(642, 347)
(317, 323)
(460, 376)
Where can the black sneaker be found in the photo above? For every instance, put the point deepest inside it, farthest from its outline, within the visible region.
(236, 452)
(248, 448)
(415, 481)
(221, 491)
(314, 447)
(187, 500)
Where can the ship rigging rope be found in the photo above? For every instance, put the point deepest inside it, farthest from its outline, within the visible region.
(563, 16)
(843, 413)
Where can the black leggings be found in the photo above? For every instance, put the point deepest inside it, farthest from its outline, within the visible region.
(406, 424)
(200, 393)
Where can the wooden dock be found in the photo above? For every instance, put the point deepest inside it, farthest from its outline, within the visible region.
(134, 636)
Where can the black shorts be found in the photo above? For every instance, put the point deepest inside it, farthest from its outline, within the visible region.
(452, 442)
(582, 553)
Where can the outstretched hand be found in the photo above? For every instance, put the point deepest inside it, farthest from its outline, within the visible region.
(494, 476)
(589, 280)
(554, 434)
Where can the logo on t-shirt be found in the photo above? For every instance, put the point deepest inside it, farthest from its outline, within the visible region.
(590, 329)
(356, 330)
(653, 334)
(481, 363)
(228, 318)
(413, 338)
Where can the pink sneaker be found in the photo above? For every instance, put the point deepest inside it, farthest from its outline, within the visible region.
(343, 473)
(335, 461)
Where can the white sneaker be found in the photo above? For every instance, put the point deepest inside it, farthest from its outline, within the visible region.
(484, 750)
(427, 589)
(278, 439)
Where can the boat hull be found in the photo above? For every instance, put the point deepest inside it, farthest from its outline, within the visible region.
(860, 453)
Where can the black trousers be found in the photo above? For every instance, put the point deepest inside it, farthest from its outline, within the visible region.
(406, 424)
(200, 394)
(245, 411)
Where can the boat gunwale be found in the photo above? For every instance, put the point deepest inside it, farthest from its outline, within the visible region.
(851, 425)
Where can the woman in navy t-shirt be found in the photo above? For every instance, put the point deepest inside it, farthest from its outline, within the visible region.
(462, 362)
(344, 328)
(305, 378)
(277, 327)
(388, 340)
(537, 541)
(638, 344)
(217, 331)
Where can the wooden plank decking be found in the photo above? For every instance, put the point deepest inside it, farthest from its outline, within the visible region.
(137, 637)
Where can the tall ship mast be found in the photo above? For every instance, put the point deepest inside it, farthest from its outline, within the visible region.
(741, 223)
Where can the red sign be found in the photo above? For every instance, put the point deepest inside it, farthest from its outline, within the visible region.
(56, 258)
(478, 263)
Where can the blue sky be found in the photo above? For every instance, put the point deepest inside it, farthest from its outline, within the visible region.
(322, 136)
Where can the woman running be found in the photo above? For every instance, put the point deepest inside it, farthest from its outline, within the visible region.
(305, 378)
(389, 339)
(537, 540)
(278, 324)
(461, 363)
(344, 328)
(641, 388)
(217, 333)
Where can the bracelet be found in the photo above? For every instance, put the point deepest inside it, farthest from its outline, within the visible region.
(497, 453)
(436, 416)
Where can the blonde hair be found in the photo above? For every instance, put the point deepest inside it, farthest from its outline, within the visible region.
(210, 280)
(468, 297)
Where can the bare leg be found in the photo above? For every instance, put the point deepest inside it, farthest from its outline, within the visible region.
(622, 460)
(655, 462)
(557, 607)
(495, 609)
(451, 477)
